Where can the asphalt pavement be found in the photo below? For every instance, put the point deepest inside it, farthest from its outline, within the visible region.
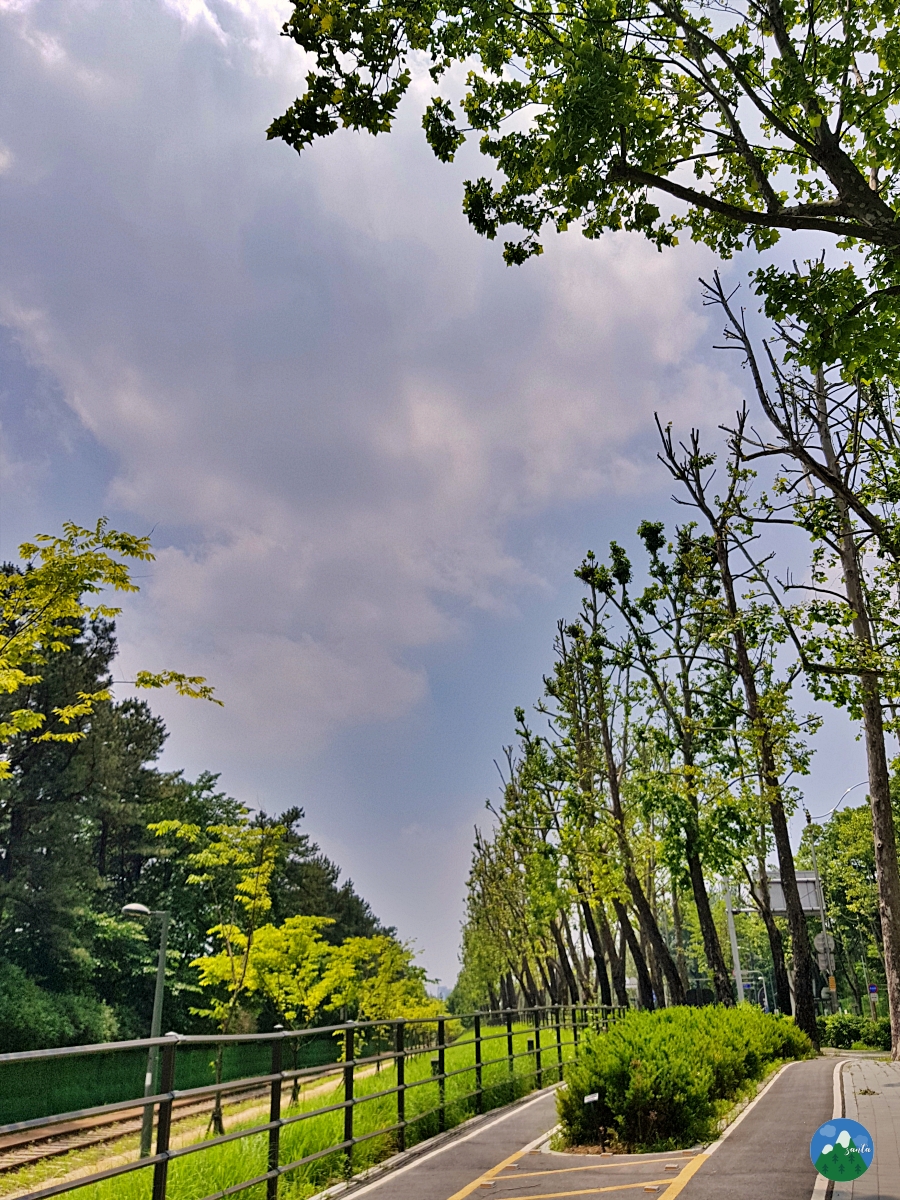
(765, 1154)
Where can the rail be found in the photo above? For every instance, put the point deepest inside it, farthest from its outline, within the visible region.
(407, 1039)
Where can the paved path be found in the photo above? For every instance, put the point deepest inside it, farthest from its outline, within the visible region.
(872, 1097)
(766, 1153)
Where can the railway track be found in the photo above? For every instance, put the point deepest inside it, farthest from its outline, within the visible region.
(22, 1149)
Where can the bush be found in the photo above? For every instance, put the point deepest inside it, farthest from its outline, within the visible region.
(32, 1018)
(846, 1031)
(661, 1077)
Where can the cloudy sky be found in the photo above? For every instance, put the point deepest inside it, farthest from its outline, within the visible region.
(369, 453)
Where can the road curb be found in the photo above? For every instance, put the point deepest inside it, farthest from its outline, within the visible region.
(432, 1145)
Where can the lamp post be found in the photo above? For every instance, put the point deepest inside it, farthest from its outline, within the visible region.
(820, 897)
(141, 910)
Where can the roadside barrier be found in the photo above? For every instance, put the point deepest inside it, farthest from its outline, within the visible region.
(550, 1031)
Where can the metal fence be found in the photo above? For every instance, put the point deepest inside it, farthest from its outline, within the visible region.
(550, 1031)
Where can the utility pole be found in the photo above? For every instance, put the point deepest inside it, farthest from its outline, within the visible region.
(826, 936)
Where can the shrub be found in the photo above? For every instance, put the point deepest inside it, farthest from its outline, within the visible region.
(846, 1031)
(661, 1077)
(32, 1018)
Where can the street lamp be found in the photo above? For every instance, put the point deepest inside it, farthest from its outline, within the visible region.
(820, 897)
(142, 911)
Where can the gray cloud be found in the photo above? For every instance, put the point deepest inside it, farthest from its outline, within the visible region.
(340, 411)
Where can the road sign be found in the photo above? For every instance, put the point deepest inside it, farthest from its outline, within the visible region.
(820, 943)
(823, 962)
(873, 989)
(806, 886)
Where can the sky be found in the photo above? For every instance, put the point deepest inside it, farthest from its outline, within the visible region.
(370, 455)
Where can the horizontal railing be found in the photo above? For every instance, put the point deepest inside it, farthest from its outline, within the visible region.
(552, 1030)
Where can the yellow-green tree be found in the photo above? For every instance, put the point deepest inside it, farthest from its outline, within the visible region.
(44, 605)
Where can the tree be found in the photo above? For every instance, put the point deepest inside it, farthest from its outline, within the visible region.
(756, 118)
(42, 610)
(590, 691)
(669, 626)
(753, 636)
(834, 431)
(234, 865)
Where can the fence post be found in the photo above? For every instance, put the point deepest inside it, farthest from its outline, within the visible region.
(573, 1016)
(479, 1097)
(349, 1055)
(275, 1115)
(442, 1113)
(539, 1075)
(400, 1055)
(164, 1121)
(559, 1052)
(509, 1042)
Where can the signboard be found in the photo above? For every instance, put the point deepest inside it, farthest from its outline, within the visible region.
(819, 942)
(806, 886)
(592, 1097)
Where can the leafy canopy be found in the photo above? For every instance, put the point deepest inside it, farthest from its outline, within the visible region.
(45, 606)
(757, 116)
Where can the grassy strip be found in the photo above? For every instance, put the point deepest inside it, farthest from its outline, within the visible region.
(664, 1079)
(220, 1167)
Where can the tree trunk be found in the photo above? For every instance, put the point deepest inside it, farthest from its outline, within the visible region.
(641, 903)
(645, 986)
(578, 961)
(565, 965)
(776, 943)
(616, 956)
(887, 871)
(597, 949)
(715, 959)
(679, 939)
(659, 990)
(850, 974)
(805, 1014)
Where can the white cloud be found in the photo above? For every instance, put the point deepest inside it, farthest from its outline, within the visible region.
(330, 398)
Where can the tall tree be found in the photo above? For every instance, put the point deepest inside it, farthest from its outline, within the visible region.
(753, 635)
(668, 630)
(757, 118)
(834, 431)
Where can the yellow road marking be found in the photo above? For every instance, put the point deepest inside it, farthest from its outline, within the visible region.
(616, 1187)
(680, 1180)
(593, 1167)
(487, 1177)
(675, 1185)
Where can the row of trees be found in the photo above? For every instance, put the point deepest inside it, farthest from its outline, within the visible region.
(662, 117)
(262, 928)
(671, 740)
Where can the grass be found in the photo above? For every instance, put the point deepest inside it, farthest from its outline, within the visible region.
(211, 1170)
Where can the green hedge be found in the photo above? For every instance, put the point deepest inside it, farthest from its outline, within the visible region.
(843, 1031)
(663, 1078)
(31, 1018)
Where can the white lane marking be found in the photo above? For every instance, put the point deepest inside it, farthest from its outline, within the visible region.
(389, 1175)
(837, 1107)
(756, 1099)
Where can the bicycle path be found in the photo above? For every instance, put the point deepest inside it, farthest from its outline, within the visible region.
(765, 1154)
